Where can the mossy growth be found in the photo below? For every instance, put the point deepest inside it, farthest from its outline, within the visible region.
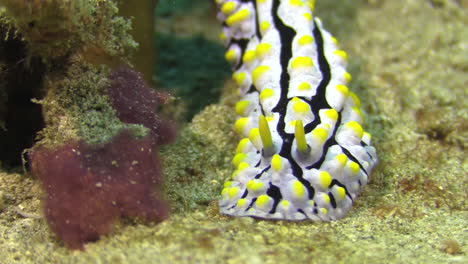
(199, 162)
(341, 19)
(76, 43)
(193, 68)
(76, 107)
(57, 28)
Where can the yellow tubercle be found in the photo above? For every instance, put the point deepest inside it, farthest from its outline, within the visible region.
(238, 158)
(239, 77)
(277, 163)
(341, 193)
(343, 89)
(228, 184)
(356, 127)
(335, 41)
(296, 2)
(348, 77)
(223, 36)
(225, 191)
(242, 203)
(249, 56)
(342, 54)
(238, 17)
(255, 186)
(228, 7)
(243, 165)
(325, 179)
(264, 26)
(299, 190)
(241, 107)
(355, 168)
(326, 197)
(301, 107)
(295, 99)
(231, 55)
(332, 114)
(342, 158)
(299, 62)
(233, 192)
(306, 39)
(241, 124)
(241, 147)
(299, 133)
(263, 49)
(308, 16)
(262, 200)
(266, 93)
(285, 204)
(305, 86)
(259, 71)
(324, 211)
(320, 133)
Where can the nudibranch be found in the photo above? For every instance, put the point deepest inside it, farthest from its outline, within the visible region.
(304, 153)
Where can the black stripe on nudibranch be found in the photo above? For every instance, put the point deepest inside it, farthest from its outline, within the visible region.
(287, 35)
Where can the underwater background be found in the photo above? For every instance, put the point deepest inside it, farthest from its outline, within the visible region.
(409, 61)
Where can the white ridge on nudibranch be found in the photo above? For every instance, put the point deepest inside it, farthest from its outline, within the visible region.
(304, 153)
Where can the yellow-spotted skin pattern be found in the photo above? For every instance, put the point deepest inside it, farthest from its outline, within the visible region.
(304, 153)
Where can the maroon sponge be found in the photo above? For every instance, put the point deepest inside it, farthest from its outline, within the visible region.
(89, 187)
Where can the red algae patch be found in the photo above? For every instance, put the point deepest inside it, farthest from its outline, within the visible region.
(135, 102)
(89, 187)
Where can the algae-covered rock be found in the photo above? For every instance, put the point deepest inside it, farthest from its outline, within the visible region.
(56, 28)
(60, 60)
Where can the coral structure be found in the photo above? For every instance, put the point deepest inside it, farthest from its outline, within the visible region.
(89, 187)
(304, 154)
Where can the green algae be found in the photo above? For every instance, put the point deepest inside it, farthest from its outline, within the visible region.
(411, 78)
(199, 161)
